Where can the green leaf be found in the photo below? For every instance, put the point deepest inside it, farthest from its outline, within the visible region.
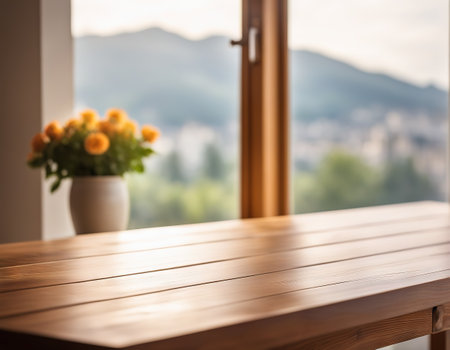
(139, 167)
(37, 162)
(147, 151)
(48, 171)
(55, 185)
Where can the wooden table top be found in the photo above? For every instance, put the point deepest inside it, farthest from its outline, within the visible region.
(253, 283)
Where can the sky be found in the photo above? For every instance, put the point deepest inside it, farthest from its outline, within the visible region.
(408, 39)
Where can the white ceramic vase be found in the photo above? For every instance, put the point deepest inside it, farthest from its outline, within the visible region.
(99, 204)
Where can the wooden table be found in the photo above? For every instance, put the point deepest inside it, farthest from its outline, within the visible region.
(351, 279)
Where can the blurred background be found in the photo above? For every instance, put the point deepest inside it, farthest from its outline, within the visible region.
(369, 82)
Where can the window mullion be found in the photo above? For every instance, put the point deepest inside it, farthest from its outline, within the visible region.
(264, 111)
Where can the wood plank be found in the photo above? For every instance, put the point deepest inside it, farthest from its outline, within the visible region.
(440, 341)
(156, 238)
(441, 318)
(289, 278)
(188, 303)
(91, 268)
(168, 320)
(71, 248)
(64, 250)
(371, 336)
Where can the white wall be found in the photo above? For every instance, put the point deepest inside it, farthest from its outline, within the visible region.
(36, 86)
(57, 102)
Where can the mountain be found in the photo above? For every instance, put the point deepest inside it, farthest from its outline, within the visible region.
(325, 87)
(163, 78)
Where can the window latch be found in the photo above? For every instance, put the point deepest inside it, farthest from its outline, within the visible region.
(252, 44)
(237, 42)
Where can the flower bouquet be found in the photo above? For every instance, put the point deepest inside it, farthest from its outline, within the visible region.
(96, 153)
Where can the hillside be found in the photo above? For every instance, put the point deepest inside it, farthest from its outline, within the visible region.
(164, 78)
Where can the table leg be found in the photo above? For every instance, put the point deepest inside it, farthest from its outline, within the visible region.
(440, 341)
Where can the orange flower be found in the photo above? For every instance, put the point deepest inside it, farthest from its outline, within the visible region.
(89, 117)
(38, 142)
(116, 116)
(107, 127)
(96, 143)
(54, 130)
(72, 123)
(150, 133)
(130, 127)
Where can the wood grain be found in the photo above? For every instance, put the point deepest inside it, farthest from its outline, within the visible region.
(440, 341)
(175, 325)
(264, 111)
(249, 284)
(421, 215)
(76, 248)
(232, 275)
(371, 336)
(441, 318)
(91, 268)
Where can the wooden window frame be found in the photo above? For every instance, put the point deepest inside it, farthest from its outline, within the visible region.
(265, 164)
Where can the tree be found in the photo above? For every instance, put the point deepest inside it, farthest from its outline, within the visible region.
(214, 166)
(403, 183)
(341, 181)
(172, 168)
(344, 181)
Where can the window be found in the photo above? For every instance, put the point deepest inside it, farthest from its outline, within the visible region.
(168, 63)
(368, 102)
(369, 82)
